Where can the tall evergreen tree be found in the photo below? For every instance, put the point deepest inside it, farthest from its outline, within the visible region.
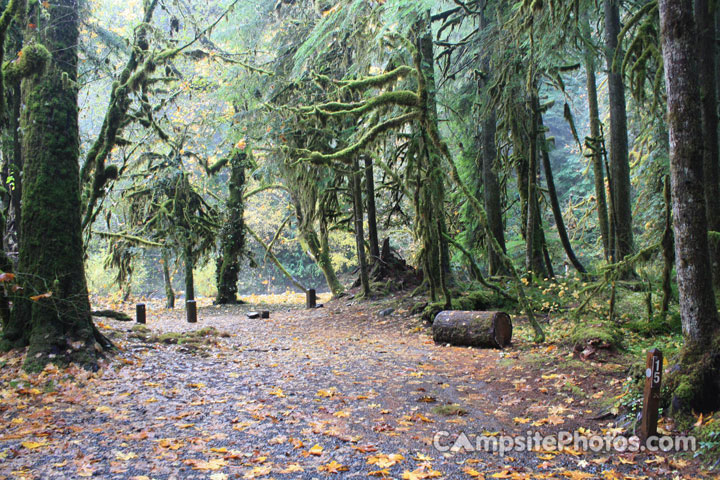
(619, 164)
(698, 386)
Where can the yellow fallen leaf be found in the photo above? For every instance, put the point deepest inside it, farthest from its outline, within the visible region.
(277, 391)
(316, 450)
(472, 472)
(33, 445)
(292, 468)
(332, 467)
(125, 456)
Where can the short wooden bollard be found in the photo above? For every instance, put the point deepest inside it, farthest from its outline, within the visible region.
(651, 398)
(311, 298)
(140, 313)
(191, 310)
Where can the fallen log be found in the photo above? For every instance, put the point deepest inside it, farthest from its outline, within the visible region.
(473, 329)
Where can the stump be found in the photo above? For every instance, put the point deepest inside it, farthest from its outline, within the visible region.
(310, 298)
(473, 329)
(140, 313)
(191, 311)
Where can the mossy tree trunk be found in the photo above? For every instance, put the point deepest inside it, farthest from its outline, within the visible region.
(530, 210)
(318, 246)
(373, 239)
(708, 97)
(595, 143)
(492, 193)
(697, 382)
(58, 328)
(431, 204)
(619, 163)
(167, 279)
(232, 235)
(359, 230)
(491, 184)
(189, 261)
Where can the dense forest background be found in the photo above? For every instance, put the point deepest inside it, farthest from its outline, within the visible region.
(204, 104)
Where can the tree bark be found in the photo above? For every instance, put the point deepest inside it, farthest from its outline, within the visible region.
(534, 256)
(491, 195)
(619, 163)
(189, 276)
(57, 326)
(432, 188)
(595, 143)
(473, 329)
(373, 238)
(232, 235)
(708, 97)
(491, 184)
(359, 230)
(699, 381)
(167, 279)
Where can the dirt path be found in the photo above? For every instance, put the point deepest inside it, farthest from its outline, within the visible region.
(335, 392)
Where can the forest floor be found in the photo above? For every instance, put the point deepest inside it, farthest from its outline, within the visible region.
(336, 392)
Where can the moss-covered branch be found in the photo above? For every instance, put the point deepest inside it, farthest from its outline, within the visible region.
(265, 188)
(403, 98)
(131, 238)
(346, 154)
(378, 81)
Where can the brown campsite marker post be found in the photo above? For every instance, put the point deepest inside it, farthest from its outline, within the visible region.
(651, 398)
(191, 311)
(311, 298)
(140, 313)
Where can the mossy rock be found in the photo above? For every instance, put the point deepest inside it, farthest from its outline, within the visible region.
(195, 337)
(596, 334)
(450, 410)
(477, 300)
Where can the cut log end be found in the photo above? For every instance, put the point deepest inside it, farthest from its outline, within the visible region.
(473, 329)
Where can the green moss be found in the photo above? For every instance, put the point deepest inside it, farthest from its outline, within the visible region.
(596, 334)
(658, 326)
(196, 337)
(474, 300)
(31, 60)
(450, 410)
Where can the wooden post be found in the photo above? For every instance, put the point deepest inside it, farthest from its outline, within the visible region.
(140, 313)
(310, 298)
(651, 398)
(191, 311)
